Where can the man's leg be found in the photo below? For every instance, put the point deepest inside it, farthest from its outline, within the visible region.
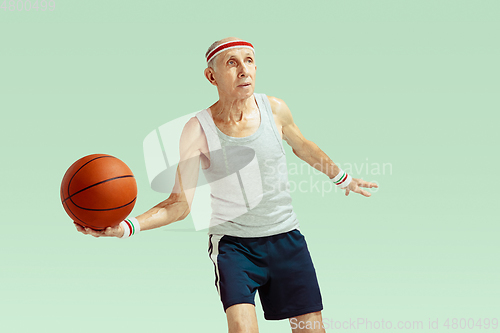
(241, 318)
(307, 323)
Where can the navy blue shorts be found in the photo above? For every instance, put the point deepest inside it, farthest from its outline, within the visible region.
(278, 266)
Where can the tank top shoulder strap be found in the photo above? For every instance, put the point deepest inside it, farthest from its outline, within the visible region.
(271, 124)
(208, 126)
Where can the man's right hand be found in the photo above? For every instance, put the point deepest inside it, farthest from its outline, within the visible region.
(116, 231)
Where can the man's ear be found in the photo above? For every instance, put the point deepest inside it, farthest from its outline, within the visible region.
(209, 74)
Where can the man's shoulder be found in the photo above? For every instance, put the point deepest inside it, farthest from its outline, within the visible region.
(277, 105)
(192, 127)
(193, 132)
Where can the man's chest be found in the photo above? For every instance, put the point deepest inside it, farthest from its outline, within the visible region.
(242, 130)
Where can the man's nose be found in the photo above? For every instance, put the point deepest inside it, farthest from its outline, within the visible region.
(244, 70)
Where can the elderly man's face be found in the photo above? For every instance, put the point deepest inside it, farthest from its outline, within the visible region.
(236, 71)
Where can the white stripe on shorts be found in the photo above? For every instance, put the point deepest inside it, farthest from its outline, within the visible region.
(214, 239)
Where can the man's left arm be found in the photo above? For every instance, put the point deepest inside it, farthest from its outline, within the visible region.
(308, 151)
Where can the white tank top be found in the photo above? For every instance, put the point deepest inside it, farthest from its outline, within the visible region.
(248, 177)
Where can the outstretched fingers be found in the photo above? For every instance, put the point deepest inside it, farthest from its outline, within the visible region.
(79, 227)
(115, 231)
(364, 183)
(356, 185)
(92, 232)
(363, 192)
(358, 190)
(88, 231)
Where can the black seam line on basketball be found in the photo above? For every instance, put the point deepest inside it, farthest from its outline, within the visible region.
(104, 181)
(73, 213)
(80, 168)
(104, 209)
(71, 179)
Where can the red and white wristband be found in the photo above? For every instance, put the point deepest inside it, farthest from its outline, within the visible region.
(130, 227)
(342, 179)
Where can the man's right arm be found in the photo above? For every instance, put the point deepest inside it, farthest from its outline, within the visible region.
(178, 205)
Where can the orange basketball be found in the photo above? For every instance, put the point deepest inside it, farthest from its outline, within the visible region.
(98, 191)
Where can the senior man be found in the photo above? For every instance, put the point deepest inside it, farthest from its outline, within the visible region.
(255, 241)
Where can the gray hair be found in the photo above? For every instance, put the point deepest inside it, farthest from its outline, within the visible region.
(212, 62)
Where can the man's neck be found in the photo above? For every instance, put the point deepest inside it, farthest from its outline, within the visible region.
(233, 110)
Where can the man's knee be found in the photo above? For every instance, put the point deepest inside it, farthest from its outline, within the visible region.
(241, 328)
(241, 318)
(309, 322)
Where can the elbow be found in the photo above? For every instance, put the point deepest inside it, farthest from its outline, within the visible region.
(299, 153)
(304, 151)
(175, 208)
(180, 207)
(185, 208)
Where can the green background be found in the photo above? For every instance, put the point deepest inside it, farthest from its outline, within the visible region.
(413, 85)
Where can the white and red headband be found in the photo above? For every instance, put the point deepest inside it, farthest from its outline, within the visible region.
(229, 45)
